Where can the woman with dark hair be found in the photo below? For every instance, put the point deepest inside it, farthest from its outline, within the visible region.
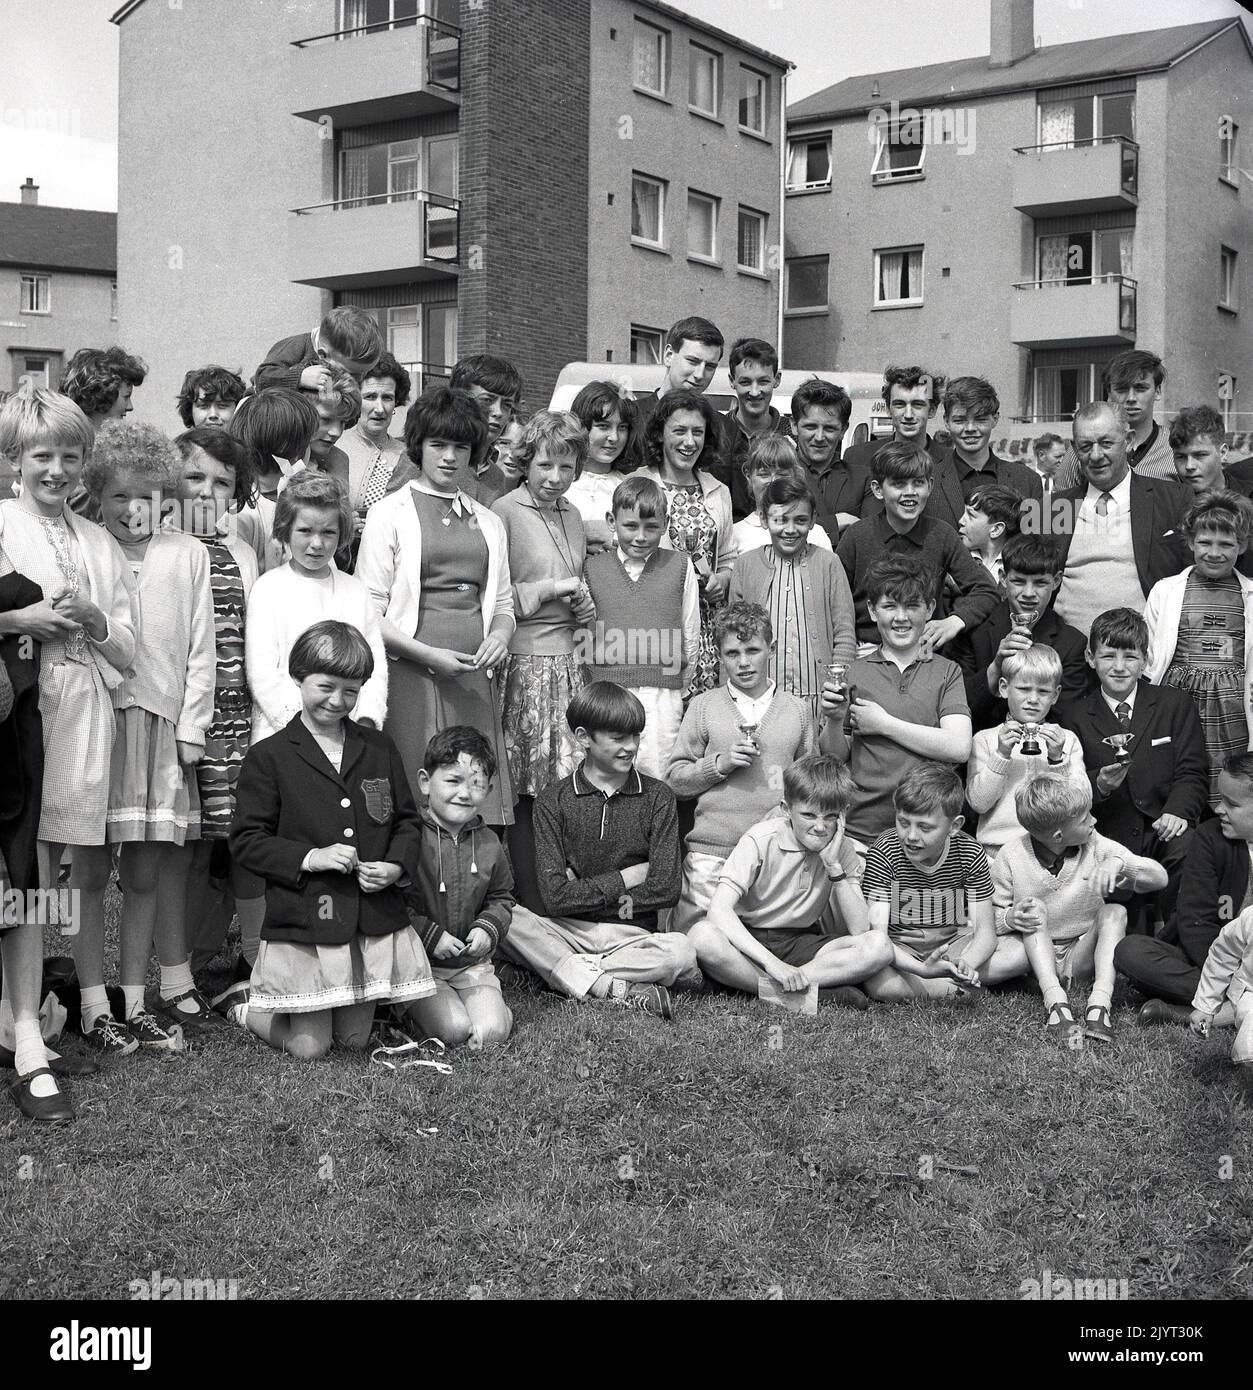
(681, 442)
(276, 427)
(374, 455)
(436, 564)
(611, 420)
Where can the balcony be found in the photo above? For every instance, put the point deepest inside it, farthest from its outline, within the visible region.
(424, 374)
(382, 72)
(383, 240)
(1054, 180)
(1073, 313)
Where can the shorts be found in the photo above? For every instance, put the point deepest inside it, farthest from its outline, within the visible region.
(464, 978)
(920, 953)
(792, 947)
(1062, 952)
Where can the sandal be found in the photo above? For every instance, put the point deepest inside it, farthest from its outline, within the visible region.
(53, 1109)
(1096, 1023)
(1062, 1026)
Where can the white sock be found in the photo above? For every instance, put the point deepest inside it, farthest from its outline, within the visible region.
(29, 1053)
(251, 913)
(134, 996)
(176, 980)
(1055, 995)
(1099, 998)
(95, 1001)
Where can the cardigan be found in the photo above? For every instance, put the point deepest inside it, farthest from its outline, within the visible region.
(463, 881)
(290, 800)
(389, 563)
(1162, 613)
(728, 805)
(544, 547)
(1228, 969)
(175, 662)
(282, 605)
(717, 498)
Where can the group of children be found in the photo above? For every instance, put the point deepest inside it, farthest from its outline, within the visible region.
(569, 638)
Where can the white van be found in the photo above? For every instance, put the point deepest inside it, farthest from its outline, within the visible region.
(869, 419)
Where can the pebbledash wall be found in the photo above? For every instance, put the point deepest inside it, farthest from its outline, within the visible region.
(213, 159)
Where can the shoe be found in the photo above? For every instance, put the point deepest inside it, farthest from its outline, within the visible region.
(53, 1109)
(228, 1002)
(1061, 1026)
(647, 999)
(512, 976)
(1096, 1024)
(1162, 1011)
(110, 1038)
(153, 1035)
(58, 1066)
(189, 1021)
(847, 996)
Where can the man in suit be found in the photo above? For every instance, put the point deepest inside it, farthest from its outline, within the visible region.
(1031, 577)
(1150, 800)
(1213, 889)
(820, 414)
(1117, 533)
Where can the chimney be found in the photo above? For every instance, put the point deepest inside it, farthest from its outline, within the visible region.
(1013, 32)
(30, 192)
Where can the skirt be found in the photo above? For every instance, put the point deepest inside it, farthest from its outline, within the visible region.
(540, 747)
(1218, 692)
(292, 978)
(78, 726)
(225, 747)
(149, 795)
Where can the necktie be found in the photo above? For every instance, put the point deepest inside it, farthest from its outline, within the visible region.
(1122, 712)
(1102, 503)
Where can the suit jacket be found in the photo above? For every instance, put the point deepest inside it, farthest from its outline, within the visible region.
(291, 800)
(1169, 767)
(1157, 511)
(947, 501)
(974, 648)
(1214, 881)
(844, 487)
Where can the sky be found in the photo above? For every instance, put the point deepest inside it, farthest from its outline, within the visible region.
(58, 94)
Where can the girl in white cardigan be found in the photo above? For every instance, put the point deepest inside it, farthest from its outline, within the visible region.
(1201, 627)
(436, 564)
(313, 518)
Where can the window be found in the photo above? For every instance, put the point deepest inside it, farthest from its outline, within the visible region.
(1227, 400)
(898, 276)
(702, 226)
(36, 294)
(753, 100)
(422, 338)
(1059, 391)
(36, 368)
(652, 59)
(750, 241)
(648, 209)
(809, 162)
(1228, 285)
(704, 80)
(361, 14)
(898, 151)
(806, 283)
(1079, 121)
(113, 301)
(647, 344)
(1077, 258)
(390, 172)
(1228, 160)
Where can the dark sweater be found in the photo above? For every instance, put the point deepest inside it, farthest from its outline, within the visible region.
(285, 361)
(1211, 890)
(463, 881)
(633, 614)
(578, 828)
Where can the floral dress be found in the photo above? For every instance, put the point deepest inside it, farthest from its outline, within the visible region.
(694, 530)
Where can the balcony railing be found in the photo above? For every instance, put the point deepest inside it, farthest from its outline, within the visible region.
(443, 46)
(1130, 170)
(1126, 294)
(424, 374)
(441, 219)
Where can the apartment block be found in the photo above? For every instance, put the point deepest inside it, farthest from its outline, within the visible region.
(549, 182)
(58, 286)
(1027, 215)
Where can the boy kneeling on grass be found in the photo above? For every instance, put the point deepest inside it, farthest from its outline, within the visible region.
(762, 934)
(1049, 891)
(929, 893)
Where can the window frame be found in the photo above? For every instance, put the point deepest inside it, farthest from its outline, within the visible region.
(764, 79)
(113, 301)
(798, 310)
(663, 35)
(692, 48)
(1097, 111)
(663, 187)
(1227, 404)
(1229, 140)
(763, 220)
(822, 137)
(883, 142)
(641, 330)
(1228, 279)
(710, 257)
(35, 280)
(916, 303)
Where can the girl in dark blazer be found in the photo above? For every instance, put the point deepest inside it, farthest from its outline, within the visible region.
(325, 815)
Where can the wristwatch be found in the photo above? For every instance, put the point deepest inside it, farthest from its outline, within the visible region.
(837, 878)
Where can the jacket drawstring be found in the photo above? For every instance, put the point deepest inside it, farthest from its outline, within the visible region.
(439, 851)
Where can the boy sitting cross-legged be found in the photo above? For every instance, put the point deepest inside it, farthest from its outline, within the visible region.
(929, 893)
(762, 934)
(607, 860)
(1020, 748)
(1049, 891)
(733, 746)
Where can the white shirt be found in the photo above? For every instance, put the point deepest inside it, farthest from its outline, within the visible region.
(1119, 513)
(1129, 700)
(751, 711)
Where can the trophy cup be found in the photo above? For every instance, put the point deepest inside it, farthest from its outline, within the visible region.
(1119, 742)
(837, 675)
(750, 733)
(1021, 622)
(1029, 747)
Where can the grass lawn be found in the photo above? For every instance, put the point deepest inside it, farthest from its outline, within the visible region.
(741, 1151)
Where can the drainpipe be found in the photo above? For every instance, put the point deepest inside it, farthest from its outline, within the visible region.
(782, 203)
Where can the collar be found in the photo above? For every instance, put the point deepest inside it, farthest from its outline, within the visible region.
(633, 786)
(987, 471)
(739, 698)
(1135, 455)
(521, 497)
(733, 416)
(885, 531)
(785, 839)
(1130, 701)
(1120, 494)
(881, 657)
(1049, 860)
(458, 503)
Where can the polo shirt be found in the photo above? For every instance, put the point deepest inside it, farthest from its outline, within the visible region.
(921, 694)
(782, 886)
(972, 479)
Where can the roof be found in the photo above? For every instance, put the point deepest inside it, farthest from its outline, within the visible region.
(1055, 66)
(43, 238)
(675, 13)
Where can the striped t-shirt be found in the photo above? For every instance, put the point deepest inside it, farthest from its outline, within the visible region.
(929, 907)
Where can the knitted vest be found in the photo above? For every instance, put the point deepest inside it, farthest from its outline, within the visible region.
(637, 639)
